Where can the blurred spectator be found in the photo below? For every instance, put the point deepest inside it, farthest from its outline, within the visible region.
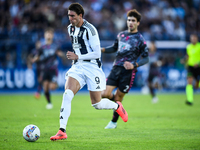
(177, 18)
(178, 60)
(10, 60)
(23, 23)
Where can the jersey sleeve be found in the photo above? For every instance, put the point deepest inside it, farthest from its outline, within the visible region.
(113, 48)
(93, 37)
(144, 48)
(115, 45)
(94, 42)
(144, 52)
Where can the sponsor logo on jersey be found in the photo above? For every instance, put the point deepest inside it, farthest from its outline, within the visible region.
(76, 46)
(124, 46)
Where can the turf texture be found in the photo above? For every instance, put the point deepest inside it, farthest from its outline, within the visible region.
(169, 124)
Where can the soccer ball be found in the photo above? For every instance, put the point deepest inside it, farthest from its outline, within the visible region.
(31, 133)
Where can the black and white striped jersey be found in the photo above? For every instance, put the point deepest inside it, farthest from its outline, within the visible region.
(85, 42)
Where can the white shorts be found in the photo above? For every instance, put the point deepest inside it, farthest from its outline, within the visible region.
(88, 73)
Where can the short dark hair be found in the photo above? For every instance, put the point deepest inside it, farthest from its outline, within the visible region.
(49, 29)
(134, 13)
(194, 34)
(76, 7)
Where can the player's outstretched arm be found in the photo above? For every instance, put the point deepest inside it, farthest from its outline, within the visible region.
(110, 49)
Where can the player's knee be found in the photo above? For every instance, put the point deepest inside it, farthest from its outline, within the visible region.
(105, 94)
(97, 105)
(53, 86)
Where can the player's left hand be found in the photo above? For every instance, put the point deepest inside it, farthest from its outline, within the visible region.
(71, 56)
(128, 65)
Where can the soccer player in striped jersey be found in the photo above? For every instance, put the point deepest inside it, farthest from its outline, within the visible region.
(129, 45)
(86, 69)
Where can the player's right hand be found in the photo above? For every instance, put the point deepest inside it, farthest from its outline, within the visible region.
(71, 55)
(128, 65)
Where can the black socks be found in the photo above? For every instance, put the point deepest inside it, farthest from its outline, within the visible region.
(63, 130)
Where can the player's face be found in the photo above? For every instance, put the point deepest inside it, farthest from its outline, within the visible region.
(132, 24)
(74, 19)
(48, 36)
(193, 39)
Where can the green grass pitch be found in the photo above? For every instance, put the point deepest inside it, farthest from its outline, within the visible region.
(167, 125)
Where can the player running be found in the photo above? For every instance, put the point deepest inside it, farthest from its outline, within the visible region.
(129, 45)
(38, 68)
(47, 56)
(85, 70)
(155, 62)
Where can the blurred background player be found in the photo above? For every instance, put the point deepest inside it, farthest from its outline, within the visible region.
(38, 68)
(47, 55)
(193, 66)
(154, 71)
(130, 45)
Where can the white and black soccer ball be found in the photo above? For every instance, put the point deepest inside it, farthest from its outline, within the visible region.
(31, 133)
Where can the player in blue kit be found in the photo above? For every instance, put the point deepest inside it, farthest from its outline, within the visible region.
(129, 45)
(86, 69)
(47, 56)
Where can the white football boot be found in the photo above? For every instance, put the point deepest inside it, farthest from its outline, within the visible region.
(154, 100)
(111, 125)
(49, 106)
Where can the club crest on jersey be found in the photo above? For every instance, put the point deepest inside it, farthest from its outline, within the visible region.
(72, 29)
